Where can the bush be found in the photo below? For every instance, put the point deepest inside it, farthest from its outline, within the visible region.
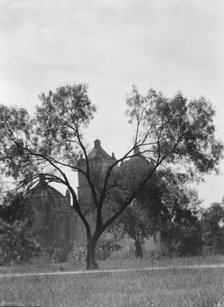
(183, 239)
(17, 245)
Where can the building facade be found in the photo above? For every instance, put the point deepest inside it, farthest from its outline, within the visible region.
(54, 222)
(99, 161)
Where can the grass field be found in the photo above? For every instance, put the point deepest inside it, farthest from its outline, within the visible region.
(197, 287)
(174, 287)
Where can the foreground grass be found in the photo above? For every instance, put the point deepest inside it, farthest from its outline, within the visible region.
(175, 287)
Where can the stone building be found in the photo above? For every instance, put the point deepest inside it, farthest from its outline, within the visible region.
(99, 161)
(54, 222)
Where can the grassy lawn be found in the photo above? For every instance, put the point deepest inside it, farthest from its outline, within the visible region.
(175, 287)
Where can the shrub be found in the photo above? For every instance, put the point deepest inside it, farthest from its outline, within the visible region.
(17, 245)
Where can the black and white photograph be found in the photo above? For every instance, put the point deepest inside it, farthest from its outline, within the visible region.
(112, 153)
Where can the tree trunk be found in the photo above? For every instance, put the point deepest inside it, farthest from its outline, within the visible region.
(91, 263)
(138, 249)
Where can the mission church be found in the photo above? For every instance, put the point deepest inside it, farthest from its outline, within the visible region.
(55, 224)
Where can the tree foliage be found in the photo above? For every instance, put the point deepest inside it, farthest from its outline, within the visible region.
(176, 130)
(182, 233)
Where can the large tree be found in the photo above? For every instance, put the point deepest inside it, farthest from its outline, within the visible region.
(167, 132)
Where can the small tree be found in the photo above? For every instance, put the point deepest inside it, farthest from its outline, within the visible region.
(166, 131)
(182, 234)
(165, 204)
(142, 218)
(212, 227)
(181, 231)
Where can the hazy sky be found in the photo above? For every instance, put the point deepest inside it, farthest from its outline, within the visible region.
(168, 45)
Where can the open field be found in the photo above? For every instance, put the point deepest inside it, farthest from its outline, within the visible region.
(173, 287)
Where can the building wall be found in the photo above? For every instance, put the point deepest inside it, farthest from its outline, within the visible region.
(53, 220)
